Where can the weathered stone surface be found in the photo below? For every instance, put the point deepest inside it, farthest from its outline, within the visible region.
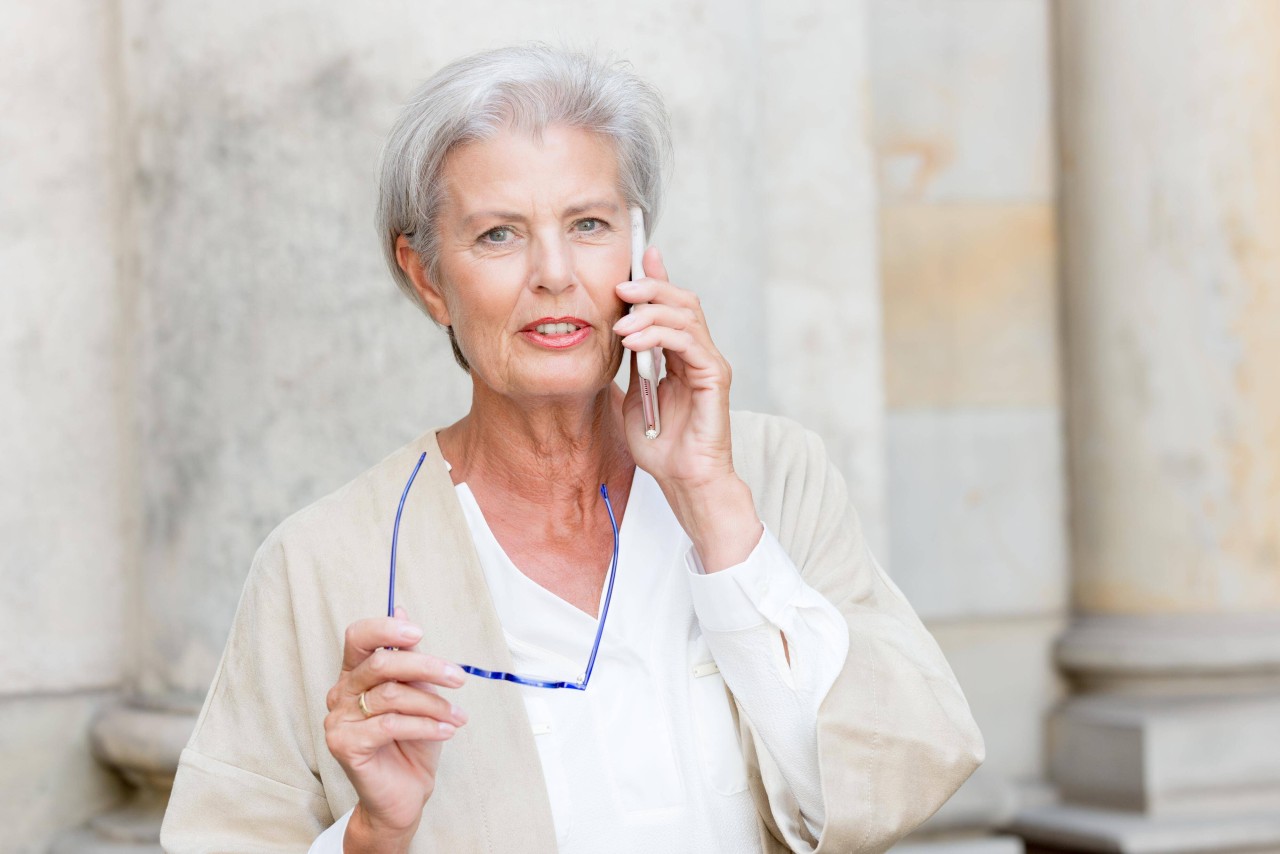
(1173, 654)
(961, 100)
(1169, 756)
(65, 506)
(1173, 302)
(48, 779)
(818, 190)
(970, 305)
(977, 498)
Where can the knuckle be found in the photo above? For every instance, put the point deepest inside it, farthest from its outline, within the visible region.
(379, 661)
(388, 724)
(350, 636)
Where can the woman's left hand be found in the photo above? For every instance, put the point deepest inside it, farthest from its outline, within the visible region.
(692, 457)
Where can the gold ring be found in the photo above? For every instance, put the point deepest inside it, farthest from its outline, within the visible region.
(363, 707)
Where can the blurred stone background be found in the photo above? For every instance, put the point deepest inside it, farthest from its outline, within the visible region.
(1017, 261)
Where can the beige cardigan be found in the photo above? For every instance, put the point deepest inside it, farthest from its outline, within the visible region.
(895, 736)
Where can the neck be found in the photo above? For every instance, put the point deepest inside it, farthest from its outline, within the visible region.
(547, 452)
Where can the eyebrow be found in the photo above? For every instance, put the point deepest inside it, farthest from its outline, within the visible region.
(572, 210)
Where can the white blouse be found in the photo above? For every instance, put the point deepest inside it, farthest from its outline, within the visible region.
(647, 758)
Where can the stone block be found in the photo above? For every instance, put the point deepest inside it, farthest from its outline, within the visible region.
(1167, 756)
(1005, 668)
(963, 100)
(49, 781)
(66, 506)
(970, 305)
(976, 500)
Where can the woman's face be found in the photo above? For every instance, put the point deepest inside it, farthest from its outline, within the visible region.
(534, 232)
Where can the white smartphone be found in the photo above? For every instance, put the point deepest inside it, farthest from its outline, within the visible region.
(648, 362)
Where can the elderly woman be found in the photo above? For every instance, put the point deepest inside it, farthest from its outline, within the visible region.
(607, 641)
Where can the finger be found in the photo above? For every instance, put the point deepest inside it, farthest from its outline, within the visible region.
(402, 665)
(365, 636)
(366, 737)
(407, 699)
(676, 340)
(654, 266)
(656, 314)
(649, 290)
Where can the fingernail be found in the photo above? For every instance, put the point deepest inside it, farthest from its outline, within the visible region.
(457, 714)
(447, 729)
(628, 287)
(411, 633)
(454, 674)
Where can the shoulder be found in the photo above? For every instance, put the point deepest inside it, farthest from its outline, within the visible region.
(770, 449)
(352, 524)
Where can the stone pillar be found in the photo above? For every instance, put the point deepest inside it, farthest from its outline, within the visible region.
(817, 193)
(67, 507)
(976, 478)
(1170, 126)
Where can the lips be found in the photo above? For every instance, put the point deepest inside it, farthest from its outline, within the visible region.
(557, 333)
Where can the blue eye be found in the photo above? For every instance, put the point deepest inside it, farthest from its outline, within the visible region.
(588, 225)
(501, 234)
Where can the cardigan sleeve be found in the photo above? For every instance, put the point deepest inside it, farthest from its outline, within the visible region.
(248, 780)
(895, 735)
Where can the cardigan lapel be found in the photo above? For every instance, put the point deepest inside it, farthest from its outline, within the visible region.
(490, 795)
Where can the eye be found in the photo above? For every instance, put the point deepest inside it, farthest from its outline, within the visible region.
(590, 225)
(501, 234)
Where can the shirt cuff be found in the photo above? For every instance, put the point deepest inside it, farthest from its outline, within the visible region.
(332, 839)
(748, 594)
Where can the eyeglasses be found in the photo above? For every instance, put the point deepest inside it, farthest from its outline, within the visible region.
(533, 682)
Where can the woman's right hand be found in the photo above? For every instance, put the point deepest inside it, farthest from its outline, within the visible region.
(390, 755)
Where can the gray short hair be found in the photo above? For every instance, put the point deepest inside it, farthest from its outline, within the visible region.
(526, 87)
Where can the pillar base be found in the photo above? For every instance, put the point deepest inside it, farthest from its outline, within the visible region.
(1175, 745)
(142, 743)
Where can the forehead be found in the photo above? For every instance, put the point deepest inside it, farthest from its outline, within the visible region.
(514, 170)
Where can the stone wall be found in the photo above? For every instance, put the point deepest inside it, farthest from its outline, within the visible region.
(964, 134)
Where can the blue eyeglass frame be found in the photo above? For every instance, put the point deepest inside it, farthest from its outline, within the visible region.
(500, 675)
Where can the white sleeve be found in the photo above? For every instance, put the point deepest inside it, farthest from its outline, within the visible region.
(330, 842)
(745, 611)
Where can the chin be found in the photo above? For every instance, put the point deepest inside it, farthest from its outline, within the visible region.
(568, 383)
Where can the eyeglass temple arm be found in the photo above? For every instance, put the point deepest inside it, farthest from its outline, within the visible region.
(395, 538)
(608, 592)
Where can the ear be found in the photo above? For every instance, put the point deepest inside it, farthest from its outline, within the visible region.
(411, 263)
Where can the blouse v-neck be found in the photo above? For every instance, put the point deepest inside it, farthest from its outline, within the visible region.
(532, 615)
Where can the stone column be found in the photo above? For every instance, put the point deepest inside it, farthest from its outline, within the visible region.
(976, 479)
(816, 184)
(67, 509)
(1170, 126)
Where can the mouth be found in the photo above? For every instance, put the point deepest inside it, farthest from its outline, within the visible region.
(556, 333)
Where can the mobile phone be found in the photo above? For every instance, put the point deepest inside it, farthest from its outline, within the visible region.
(648, 362)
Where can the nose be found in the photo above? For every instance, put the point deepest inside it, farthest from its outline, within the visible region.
(553, 265)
